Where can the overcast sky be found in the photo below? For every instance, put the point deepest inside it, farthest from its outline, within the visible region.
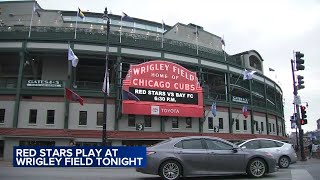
(275, 28)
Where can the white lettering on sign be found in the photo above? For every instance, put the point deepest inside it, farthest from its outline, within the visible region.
(172, 111)
(151, 67)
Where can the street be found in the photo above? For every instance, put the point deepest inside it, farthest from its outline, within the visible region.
(308, 170)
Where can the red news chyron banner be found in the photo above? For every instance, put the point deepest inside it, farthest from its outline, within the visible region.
(162, 88)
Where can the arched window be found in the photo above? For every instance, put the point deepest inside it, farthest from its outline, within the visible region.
(255, 62)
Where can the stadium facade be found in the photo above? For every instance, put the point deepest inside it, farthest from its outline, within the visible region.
(163, 82)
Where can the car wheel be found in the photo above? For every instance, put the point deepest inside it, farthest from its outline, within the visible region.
(256, 168)
(284, 162)
(170, 170)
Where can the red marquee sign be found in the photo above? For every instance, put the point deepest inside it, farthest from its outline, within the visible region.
(162, 88)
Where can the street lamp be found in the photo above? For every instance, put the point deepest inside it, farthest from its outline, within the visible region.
(105, 94)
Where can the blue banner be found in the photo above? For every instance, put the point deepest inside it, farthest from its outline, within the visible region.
(76, 156)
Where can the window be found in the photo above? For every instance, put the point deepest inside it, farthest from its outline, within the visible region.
(100, 119)
(280, 128)
(178, 145)
(188, 122)
(245, 125)
(220, 123)
(267, 144)
(147, 121)
(131, 120)
(50, 117)
(83, 118)
(269, 127)
(255, 62)
(218, 145)
(37, 143)
(237, 125)
(262, 128)
(274, 130)
(175, 123)
(279, 144)
(33, 116)
(210, 123)
(2, 114)
(251, 145)
(257, 125)
(192, 144)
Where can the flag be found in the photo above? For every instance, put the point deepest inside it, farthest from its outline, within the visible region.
(248, 74)
(127, 95)
(245, 111)
(80, 13)
(214, 109)
(163, 25)
(105, 87)
(126, 17)
(222, 42)
(34, 10)
(270, 69)
(72, 96)
(72, 57)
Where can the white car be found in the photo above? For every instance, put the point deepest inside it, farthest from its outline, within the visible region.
(281, 151)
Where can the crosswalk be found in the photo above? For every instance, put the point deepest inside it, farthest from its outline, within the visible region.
(298, 174)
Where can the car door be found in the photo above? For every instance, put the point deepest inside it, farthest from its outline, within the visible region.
(223, 158)
(193, 155)
(271, 147)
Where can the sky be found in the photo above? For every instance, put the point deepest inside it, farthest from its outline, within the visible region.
(274, 28)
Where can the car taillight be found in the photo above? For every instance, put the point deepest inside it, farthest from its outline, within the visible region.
(150, 152)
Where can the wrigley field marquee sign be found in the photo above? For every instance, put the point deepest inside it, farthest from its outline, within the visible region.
(161, 88)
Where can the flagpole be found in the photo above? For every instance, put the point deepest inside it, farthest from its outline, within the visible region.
(224, 49)
(32, 12)
(197, 40)
(162, 34)
(121, 28)
(134, 27)
(75, 30)
(235, 83)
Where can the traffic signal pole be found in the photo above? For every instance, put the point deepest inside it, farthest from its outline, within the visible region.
(295, 93)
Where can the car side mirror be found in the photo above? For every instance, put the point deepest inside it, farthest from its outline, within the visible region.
(235, 150)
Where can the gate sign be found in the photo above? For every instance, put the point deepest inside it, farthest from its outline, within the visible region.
(162, 88)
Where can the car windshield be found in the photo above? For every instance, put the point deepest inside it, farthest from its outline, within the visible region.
(238, 143)
(162, 142)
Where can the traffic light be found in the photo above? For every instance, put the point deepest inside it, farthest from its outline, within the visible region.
(303, 119)
(299, 61)
(300, 82)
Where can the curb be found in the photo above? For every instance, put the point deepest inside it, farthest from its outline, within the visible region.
(5, 163)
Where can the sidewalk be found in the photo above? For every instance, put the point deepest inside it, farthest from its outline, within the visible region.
(309, 161)
(5, 163)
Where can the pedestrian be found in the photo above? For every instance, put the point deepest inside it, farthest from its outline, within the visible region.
(310, 149)
(314, 149)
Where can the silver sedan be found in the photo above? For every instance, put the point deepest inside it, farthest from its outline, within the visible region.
(204, 156)
(281, 151)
